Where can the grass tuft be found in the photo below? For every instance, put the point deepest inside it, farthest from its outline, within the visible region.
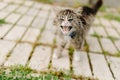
(46, 1)
(103, 9)
(111, 16)
(71, 50)
(118, 54)
(112, 38)
(96, 35)
(105, 52)
(2, 21)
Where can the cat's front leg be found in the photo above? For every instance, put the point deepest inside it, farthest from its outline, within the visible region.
(76, 55)
(58, 51)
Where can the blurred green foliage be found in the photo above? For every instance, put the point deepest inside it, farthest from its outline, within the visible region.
(112, 16)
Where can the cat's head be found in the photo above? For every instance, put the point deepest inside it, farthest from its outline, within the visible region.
(65, 20)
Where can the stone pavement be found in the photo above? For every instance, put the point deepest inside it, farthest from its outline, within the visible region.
(29, 38)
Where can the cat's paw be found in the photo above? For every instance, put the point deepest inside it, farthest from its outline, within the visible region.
(56, 55)
(76, 56)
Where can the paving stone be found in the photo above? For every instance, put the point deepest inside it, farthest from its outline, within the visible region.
(11, 8)
(38, 22)
(47, 37)
(28, 3)
(2, 5)
(91, 31)
(40, 58)
(116, 24)
(33, 12)
(62, 63)
(12, 18)
(3, 14)
(37, 5)
(93, 44)
(43, 13)
(102, 72)
(22, 10)
(4, 29)
(105, 22)
(16, 33)
(96, 21)
(46, 7)
(115, 66)
(9, 1)
(52, 14)
(5, 48)
(31, 35)
(100, 31)
(112, 32)
(82, 67)
(25, 21)
(50, 26)
(19, 55)
(117, 43)
(108, 46)
(18, 2)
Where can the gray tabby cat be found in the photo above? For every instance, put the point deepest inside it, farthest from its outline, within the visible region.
(74, 25)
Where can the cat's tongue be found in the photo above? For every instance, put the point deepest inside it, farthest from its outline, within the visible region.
(65, 30)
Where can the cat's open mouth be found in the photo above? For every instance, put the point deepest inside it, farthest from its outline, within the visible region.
(66, 29)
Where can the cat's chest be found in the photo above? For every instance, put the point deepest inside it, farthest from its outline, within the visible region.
(70, 36)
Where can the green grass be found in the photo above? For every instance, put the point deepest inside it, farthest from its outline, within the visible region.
(103, 9)
(25, 73)
(96, 35)
(112, 38)
(45, 1)
(117, 54)
(98, 25)
(71, 50)
(2, 21)
(112, 16)
(105, 53)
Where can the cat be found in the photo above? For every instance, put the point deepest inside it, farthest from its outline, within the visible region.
(74, 25)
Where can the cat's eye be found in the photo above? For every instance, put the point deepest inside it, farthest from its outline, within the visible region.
(61, 19)
(70, 19)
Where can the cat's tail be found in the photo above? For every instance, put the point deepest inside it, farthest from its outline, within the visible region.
(97, 6)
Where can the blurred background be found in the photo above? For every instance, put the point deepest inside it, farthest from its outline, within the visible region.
(75, 3)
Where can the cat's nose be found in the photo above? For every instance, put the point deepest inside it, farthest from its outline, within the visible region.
(65, 23)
